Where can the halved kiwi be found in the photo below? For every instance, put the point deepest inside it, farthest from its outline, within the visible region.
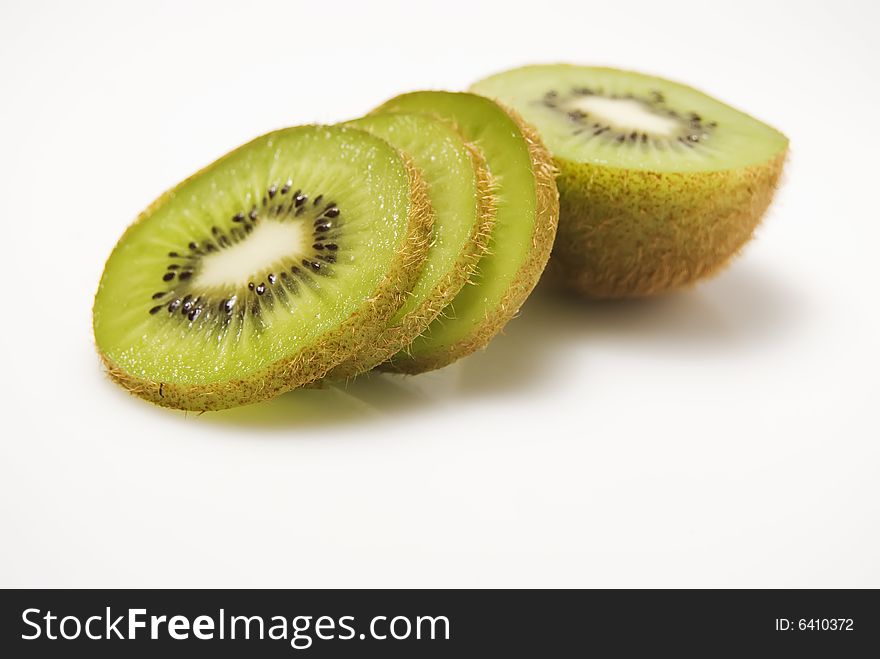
(264, 270)
(526, 211)
(458, 188)
(660, 184)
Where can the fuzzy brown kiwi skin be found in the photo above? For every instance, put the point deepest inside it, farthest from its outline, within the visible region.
(546, 220)
(626, 233)
(398, 336)
(313, 362)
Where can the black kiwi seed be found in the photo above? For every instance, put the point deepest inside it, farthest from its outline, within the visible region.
(172, 306)
(160, 294)
(331, 246)
(173, 254)
(322, 227)
(193, 246)
(261, 288)
(155, 310)
(186, 274)
(271, 278)
(168, 276)
(253, 214)
(318, 246)
(250, 285)
(238, 217)
(318, 200)
(174, 266)
(286, 188)
(272, 190)
(331, 212)
(300, 199)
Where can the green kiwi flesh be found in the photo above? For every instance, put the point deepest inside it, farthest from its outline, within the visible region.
(458, 189)
(264, 270)
(660, 184)
(526, 211)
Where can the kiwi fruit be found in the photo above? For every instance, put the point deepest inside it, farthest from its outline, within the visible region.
(264, 270)
(458, 189)
(660, 184)
(526, 211)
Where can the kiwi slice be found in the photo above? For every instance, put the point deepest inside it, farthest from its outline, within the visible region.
(526, 211)
(458, 188)
(264, 270)
(659, 184)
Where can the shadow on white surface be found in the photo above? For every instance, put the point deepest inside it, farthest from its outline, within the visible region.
(737, 309)
(732, 312)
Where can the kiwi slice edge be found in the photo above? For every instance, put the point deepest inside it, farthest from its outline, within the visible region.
(526, 214)
(459, 188)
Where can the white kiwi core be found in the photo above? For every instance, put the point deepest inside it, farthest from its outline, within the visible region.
(625, 115)
(268, 243)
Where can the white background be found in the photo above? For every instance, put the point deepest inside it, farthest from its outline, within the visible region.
(723, 436)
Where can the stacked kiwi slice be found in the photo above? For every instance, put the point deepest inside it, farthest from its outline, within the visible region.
(407, 239)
